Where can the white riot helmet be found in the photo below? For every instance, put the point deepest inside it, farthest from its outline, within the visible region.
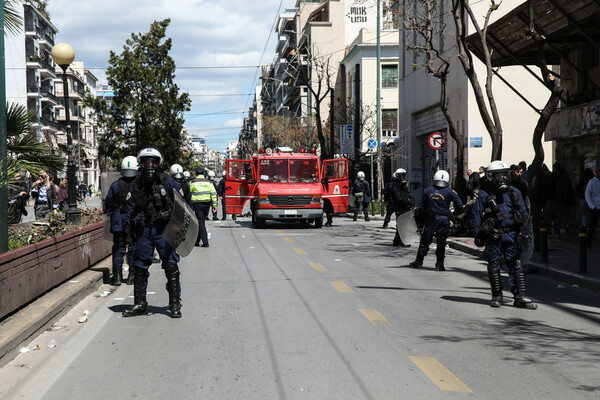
(400, 175)
(129, 167)
(441, 179)
(186, 174)
(176, 171)
(211, 175)
(497, 173)
(224, 173)
(150, 160)
(360, 176)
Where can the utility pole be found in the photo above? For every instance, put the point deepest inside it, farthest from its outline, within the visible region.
(3, 150)
(379, 169)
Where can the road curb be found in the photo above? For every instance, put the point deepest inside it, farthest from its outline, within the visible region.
(41, 313)
(571, 278)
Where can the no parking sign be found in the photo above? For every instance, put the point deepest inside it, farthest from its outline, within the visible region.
(436, 140)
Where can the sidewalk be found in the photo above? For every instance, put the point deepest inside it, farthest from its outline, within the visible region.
(563, 259)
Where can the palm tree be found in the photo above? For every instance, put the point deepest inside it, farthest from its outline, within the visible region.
(12, 18)
(25, 153)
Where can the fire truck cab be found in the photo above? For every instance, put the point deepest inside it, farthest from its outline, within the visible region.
(286, 186)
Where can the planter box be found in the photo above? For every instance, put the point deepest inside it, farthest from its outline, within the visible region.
(31, 271)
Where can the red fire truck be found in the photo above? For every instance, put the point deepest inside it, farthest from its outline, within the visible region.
(286, 186)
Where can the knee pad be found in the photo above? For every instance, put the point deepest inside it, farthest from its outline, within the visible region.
(172, 269)
(494, 266)
(139, 271)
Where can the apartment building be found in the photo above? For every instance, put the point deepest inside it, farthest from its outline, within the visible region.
(313, 41)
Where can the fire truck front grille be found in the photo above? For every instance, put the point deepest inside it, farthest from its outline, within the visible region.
(291, 200)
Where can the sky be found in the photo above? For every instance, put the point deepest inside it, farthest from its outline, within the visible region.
(217, 45)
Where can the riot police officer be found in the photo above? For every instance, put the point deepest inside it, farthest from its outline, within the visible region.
(116, 206)
(178, 175)
(400, 200)
(204, 196)
(436, 206)
(496, 218)
(149, 210)
(362, 195)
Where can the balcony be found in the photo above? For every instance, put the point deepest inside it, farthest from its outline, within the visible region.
(33, 61)
(46, 40)
(47, 69)
(31, 30)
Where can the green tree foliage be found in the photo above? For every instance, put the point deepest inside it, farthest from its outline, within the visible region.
(147, 108)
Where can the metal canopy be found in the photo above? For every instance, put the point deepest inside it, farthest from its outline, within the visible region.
(567, 25)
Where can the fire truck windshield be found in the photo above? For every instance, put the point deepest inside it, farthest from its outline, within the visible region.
(295, 171)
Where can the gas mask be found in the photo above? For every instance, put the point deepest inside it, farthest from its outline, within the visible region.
(500, 180)
(149, 169)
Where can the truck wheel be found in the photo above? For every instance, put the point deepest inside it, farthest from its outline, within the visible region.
(319, 222)
(260, 222)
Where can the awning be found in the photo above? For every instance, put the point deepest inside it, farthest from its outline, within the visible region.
(567, 25)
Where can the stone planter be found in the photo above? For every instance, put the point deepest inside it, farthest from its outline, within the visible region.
(31, 271)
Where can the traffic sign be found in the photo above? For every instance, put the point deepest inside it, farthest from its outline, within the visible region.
(372, 143)
(436, 140)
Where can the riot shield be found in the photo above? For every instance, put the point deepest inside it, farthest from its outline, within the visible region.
(182, 230)
(525, 238)
(407, 228)
(106, 227)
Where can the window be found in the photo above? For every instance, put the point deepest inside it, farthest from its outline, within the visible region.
(389, 76)
(389, 120)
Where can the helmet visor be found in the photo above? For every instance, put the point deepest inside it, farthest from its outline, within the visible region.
(150, 162)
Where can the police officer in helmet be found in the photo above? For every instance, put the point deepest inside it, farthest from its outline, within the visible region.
(497, 218)
(211, 177)
(149, 209)
(116, 206)
(178, 175)
(436, 206)
(397, 196)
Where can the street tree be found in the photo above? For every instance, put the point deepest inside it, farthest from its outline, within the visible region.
(424, 20)
(320, 89)
(147, 107)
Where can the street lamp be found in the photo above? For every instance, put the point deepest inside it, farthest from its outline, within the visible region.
(309, 94)
(63, 55)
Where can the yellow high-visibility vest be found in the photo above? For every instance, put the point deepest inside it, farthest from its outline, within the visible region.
(203, 191)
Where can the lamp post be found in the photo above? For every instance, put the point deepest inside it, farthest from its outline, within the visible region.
(309, 94)
(63, 55)
(3, 148)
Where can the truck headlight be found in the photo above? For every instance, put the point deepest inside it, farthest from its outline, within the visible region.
(316, 199)
(263, 200)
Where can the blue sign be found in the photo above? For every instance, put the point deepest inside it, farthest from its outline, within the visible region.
(476, 142)
(349, 128)
(372, 143)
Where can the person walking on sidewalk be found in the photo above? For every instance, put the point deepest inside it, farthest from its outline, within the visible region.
(592, 197)
(362, 195)
(496, 218)
(436, 205)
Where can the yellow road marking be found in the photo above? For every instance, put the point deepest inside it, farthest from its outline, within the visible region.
(280, 231)
(318, 267)
(341, 287)
(289, 240)
(300, 251)
(375, 317)
(440, 375)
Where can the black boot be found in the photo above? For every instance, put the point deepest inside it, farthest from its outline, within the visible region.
(385, 225)
(117, 277)
(521, 299)
(172, 273)
(439, 265)
(140, 306)
(495, 283)
(418, 263)
(130, 276)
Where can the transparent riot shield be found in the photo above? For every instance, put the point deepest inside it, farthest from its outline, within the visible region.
(106, 227)
(407, 228)
(182, 230)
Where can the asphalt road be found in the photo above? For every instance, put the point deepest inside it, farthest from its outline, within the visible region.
(293, 312)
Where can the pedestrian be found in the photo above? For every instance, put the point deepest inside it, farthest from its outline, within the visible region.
(221, 193)
(17, 202)
(149, 210)
(204, 196)
(362, 195)
(63, 195)
(584, 209)
(116, 207)
(436, 207)
(592, 196)
(497, 218)
(472, 184)
(211, 177)
(44, 192)
(82, 190)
